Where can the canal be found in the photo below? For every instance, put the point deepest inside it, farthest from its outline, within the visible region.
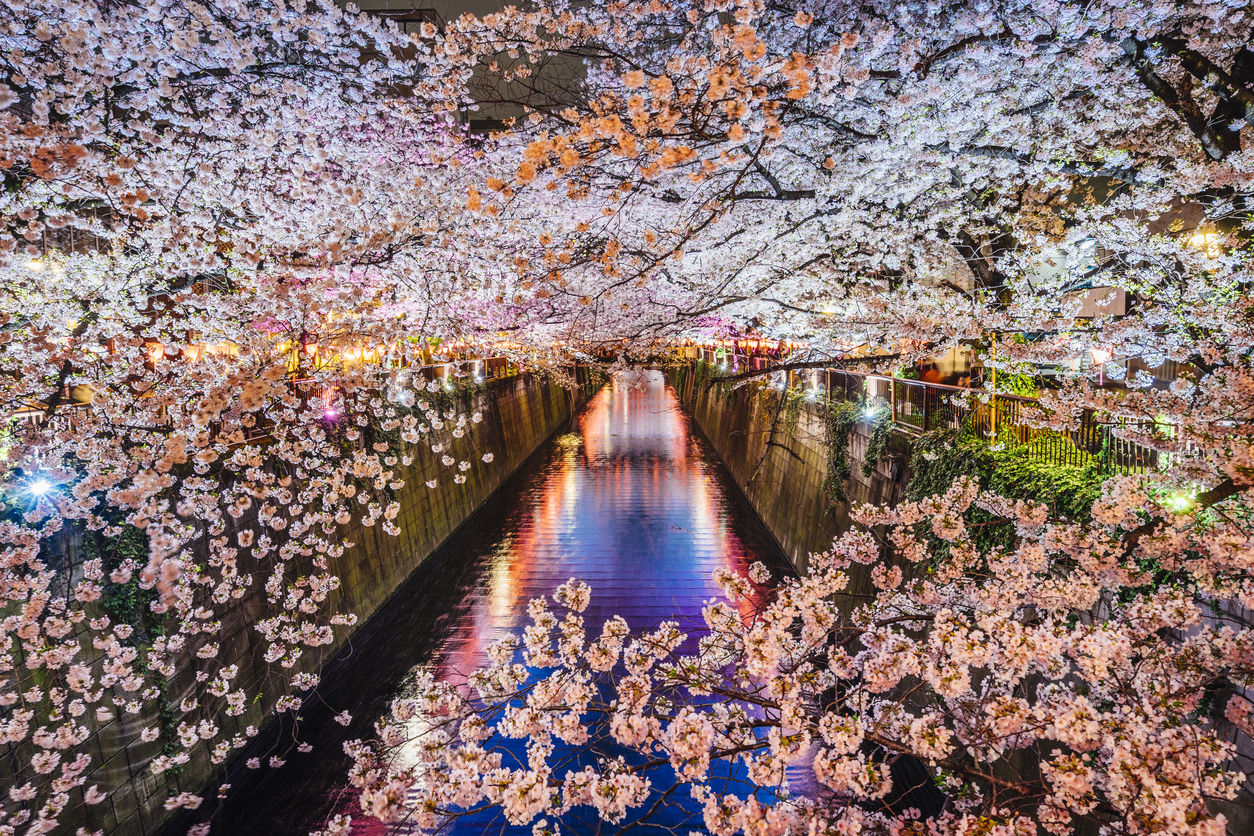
(634, 502)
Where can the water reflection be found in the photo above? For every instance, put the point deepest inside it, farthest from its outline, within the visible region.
(633, 503)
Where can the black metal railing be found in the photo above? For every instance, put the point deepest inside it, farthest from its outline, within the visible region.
(917, 407)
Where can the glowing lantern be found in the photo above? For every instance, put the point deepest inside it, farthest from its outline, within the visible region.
(1100, 356)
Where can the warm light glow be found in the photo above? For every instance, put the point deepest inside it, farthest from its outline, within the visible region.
(1207, 243)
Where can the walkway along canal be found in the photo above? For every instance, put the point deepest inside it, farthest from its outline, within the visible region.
(633, 502)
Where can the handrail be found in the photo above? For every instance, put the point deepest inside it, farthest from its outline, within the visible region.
(917, 406)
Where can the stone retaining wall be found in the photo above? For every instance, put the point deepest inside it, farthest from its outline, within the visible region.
(782, 474)
(520, 413)
(787, 492)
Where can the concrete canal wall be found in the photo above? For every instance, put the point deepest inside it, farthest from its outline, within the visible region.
(520, 413)
(780, 463)
(782, 475)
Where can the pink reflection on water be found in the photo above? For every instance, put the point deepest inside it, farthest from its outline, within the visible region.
(631, 460)
(628, 504)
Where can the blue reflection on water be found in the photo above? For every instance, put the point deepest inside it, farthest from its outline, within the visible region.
(633, 503)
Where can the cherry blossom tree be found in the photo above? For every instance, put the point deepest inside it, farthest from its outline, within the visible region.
(911, 178)
(213, 293)
(1045, 686)
(227, 227)
(856, 175)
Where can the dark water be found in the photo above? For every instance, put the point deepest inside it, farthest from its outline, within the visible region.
(633, 503)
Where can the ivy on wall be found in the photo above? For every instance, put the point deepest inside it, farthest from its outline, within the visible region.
(130, 603)
(594, 378)
(699, 373)
(722, 393)
(126, 603)
(841, 419)
(1016, 471)
(1006, 467)
(453, 394)
(881, 434)
(792, 409)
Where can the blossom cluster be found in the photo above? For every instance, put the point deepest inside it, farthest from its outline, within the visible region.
(1059, 651)
(229, 235)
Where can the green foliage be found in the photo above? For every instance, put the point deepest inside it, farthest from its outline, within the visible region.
(940, 458)
(1069, 490)
(841, 419)
(722, 392)
(1020, 383)
(792, 409)
(881, 434)
(690, 376)
(125, 603)
(762, 396)
(700, 372)
(128, 603)
(168, 717)
(454, 393)
(1020, 379)
(595, 377)
(1016, 471)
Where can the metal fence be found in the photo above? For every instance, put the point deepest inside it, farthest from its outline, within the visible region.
(479, 370)
(917, 407)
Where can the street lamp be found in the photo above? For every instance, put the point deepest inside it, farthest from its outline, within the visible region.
(1207, 243)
